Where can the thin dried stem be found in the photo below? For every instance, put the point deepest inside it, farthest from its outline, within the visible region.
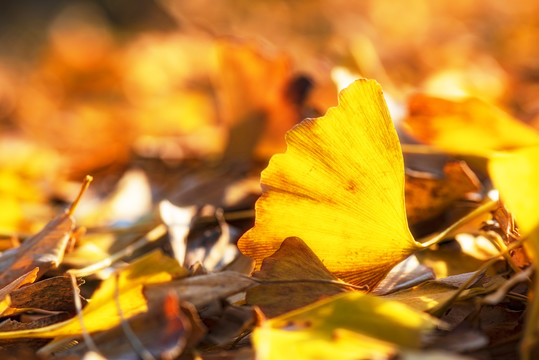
(440, 309)
(134, 341)
(155, 234)
(87, 180)
(78, 307)
(486, 207)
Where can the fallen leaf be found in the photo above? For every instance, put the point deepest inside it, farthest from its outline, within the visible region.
(203, 289)
(293, 261)
(367, 323)
(428, 196)
(152, 268)
(227, 325)
(163, 331)
(516, 174)
(253, 88)
(53, 294)
(340, 188)
(469, 126)
(5, 292)
(406, 274)
(44, 250)
(178, 220)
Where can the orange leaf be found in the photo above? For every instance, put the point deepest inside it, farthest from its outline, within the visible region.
(470, 126)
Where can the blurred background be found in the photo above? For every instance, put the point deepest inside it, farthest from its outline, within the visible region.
(191, 98)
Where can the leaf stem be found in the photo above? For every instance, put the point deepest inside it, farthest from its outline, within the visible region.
(488, 206)
(440, 309)
(86, 182)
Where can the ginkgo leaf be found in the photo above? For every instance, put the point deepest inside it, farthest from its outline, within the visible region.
(340, 188)
(516, 175)
(312, 332)
(469, 126)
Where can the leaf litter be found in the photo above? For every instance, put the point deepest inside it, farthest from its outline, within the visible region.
(375, 234)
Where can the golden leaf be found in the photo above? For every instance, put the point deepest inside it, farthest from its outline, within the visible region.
(373, 325)
(150, 269)
(516, 174)
(340, 188)
(470, 126)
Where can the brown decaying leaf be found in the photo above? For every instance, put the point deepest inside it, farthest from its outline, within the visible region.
(44, 250)
(54, 294)
(203, 289)
(224, 327)
(427, 196)
(24, 279)
(293, 261)
(12, 325)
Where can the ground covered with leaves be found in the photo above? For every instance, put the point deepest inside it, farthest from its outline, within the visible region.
(269, 180)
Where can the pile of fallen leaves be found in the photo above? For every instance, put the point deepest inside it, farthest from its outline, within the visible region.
(212, 197)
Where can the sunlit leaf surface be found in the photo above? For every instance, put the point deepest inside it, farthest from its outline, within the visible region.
(340, 188)
(369, 325)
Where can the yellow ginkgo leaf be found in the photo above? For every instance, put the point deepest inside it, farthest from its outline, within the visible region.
(101, 313)
(516, 175)
(469, 127)
(347, 326)
(340, 187)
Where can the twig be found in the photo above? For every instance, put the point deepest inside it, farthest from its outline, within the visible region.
(87, 180)
(78, 307)
(153, 235)
(439, 310)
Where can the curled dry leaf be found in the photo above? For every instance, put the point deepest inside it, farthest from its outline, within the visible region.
(53, 294)
(5, 292)
(340, 188)
(44, 250)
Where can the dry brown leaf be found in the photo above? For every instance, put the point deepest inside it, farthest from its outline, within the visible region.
(53, 294)
(44, 250)
(24, 279)
(203, 289)
(406, 274)
(293, 261)
(427, 196)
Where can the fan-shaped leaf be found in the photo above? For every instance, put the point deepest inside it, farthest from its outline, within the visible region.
(340, 188)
